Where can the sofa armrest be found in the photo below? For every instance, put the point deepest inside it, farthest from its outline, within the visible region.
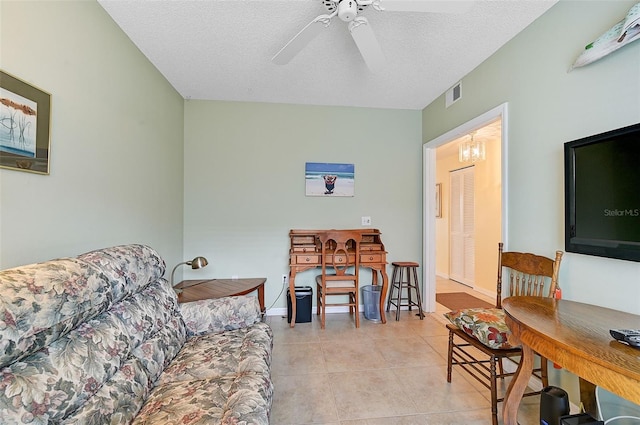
(220, 314)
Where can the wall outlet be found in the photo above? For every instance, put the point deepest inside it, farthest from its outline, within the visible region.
(366, 221)
(285, 279)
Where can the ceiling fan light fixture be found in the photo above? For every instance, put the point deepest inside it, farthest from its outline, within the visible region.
(347, 10)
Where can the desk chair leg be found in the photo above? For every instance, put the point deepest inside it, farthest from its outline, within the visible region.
(320, 307)
(355, 309)
(323, 311)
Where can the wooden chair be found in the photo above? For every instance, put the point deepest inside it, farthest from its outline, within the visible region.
(340, 271)
(525, 274)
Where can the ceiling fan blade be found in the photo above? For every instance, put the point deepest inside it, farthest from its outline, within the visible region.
(300, 41)
(367, 44)
(426, 6)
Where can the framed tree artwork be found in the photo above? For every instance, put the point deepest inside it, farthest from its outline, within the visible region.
(25, 121)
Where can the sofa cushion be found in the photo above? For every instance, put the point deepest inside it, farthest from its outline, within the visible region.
(42, 302)
(220, 314)
(157, 331)
(122, 350)
(47, 386)
(118, 402)
(128, 267)
(241, 351)
(241, 399)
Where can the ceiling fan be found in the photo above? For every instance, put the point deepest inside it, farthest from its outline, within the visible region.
(363, 36)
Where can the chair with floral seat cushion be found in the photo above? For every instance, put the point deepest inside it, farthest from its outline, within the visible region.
(479, 337)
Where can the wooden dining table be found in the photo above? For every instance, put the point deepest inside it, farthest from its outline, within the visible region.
(575, 336)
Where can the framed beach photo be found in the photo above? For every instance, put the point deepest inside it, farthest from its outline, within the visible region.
(25, 118)
(329, 179)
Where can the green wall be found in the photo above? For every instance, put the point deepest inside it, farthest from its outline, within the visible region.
(549, 106)
(244, 183)
(116, 138)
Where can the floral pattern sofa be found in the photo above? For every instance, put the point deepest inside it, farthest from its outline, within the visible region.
(101, 339)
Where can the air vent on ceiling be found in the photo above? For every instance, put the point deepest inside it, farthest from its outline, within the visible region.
(453, 94)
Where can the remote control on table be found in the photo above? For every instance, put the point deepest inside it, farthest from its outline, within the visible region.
(630, 336)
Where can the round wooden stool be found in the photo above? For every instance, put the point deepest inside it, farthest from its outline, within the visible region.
(402, 269)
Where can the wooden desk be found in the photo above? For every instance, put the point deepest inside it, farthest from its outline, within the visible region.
(305, 253)
(575, 336)
(195, 290)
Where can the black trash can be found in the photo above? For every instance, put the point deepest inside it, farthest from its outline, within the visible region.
(303, 296)
(554, 402)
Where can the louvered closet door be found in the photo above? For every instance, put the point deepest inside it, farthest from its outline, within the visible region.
(462, 227)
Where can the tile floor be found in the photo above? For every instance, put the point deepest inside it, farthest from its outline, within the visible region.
(391, 374)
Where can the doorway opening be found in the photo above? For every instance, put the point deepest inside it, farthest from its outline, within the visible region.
(475, 247)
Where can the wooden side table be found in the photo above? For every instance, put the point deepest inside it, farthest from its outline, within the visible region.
(195, 290)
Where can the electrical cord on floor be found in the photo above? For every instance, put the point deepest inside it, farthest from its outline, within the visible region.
(615, 418)
(610, 420)
(264, 313)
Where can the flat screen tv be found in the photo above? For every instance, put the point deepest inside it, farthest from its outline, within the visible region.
(602, 194)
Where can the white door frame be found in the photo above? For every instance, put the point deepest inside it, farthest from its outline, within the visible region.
(429, 193)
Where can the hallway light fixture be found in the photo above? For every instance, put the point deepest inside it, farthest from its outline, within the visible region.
(471, 150)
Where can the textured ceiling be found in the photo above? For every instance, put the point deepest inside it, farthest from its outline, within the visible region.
(222, 49)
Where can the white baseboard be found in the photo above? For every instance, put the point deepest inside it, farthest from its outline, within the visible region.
(281, 311)
(490, 294)
(276, 312)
